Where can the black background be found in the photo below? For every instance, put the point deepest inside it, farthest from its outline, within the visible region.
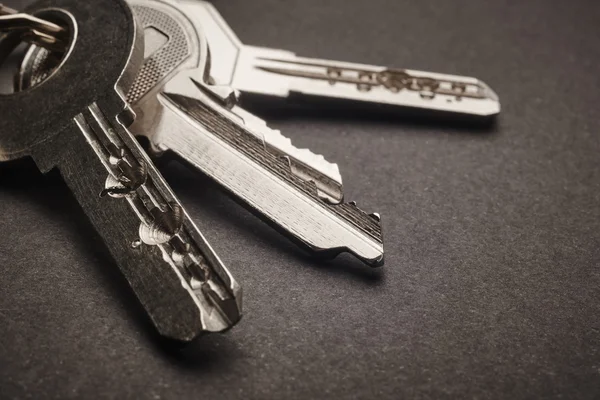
(491, 283)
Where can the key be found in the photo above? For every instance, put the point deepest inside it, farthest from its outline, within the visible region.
(297, 192)
(280, 73)
(294, 190)
(75, 121)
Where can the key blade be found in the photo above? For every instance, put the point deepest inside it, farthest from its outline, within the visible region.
(279, 73)
(160, 251)
(211, 139)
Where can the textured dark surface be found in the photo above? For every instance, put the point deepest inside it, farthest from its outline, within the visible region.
(491, 283)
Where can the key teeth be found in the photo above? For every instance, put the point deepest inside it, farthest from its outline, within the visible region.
(376, 216)
(274, 138)
(332, 170)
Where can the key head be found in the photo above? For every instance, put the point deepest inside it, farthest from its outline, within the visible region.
(104, 48)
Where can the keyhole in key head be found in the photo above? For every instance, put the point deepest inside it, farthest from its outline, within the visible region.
(23, 65)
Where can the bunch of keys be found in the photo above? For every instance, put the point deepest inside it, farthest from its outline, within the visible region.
(96, 76)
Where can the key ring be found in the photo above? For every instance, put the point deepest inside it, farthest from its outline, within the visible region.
(32, 29)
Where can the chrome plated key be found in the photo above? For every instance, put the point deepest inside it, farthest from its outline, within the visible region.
(281, 73)
(76, 121)
(294, 190)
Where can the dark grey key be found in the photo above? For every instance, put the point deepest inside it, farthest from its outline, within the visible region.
(76, 121)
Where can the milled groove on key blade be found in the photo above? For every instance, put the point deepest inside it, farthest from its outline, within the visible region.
(367, 79)
(361, 227)
(280, 73)
(162, 219)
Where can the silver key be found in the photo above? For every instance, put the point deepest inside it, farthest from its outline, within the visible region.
(281, 73)
(296, 191)
(75, 121)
